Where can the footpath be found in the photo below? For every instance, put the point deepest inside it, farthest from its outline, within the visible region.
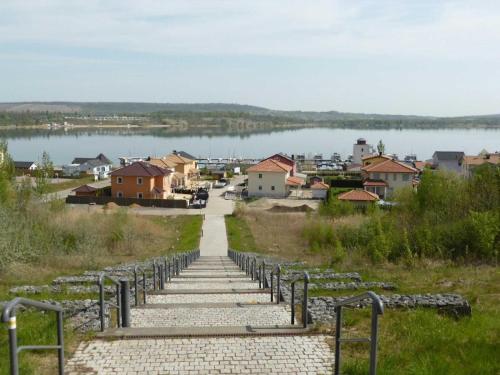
(210, 319)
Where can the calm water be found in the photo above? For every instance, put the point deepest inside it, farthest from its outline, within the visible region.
(63, 148)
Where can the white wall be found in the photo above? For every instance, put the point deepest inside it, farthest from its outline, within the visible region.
(268, 179)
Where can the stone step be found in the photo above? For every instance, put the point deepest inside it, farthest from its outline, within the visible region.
(212, 285)
(198, 305)
(209, 291)
(209, 298)
(300, 354)
(223, 276)
(212, 280)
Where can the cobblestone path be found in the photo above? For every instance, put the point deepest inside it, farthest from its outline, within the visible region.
(212, 294)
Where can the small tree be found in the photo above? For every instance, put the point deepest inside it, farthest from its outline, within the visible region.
(381, 147)
(43, 173)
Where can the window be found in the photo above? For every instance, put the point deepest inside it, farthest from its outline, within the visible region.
(119, 180)
(406, 176)
(139, 195)
(272, 187)
(376, 176)
(119, 194)
(260, 175)
(260, 187)
(395, 176)
(139, 180)
(386, 176)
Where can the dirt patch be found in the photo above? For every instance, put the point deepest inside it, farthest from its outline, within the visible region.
(286, 209)
(110, 205)
(135, 205)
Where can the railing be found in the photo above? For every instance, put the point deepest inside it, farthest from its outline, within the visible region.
(138, 287)
(377, 309)
(305, 278)
(102, 302)
(9, 316)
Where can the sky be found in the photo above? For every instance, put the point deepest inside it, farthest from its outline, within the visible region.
(423, 57)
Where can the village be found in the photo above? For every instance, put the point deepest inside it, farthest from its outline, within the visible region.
(180, 180)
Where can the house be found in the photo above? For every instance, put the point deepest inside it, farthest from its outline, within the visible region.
(469, 163)
(319, 190)
(100, 166)
(127, 160)
(140, 180)
(184, 154)
(374, 159)
(272, 178)
(448, 160)
(85, 191)
(25, 167)
(385, 177)
(361, 149)
(358, 197)
(72, 170)
(285, 159)
(186, 169)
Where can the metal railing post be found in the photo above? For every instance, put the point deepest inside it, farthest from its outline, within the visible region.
(162, 277)
(154, 274)
(144, 287)
(101, 305)
(304, 300)
(260, 276)
(338, 327)
(14, 363)
(292, 302)
(264, 281)
(272, 282)
(136, 286)
(373, 341)
(278, 279)
(125, 303)
(118, 306)
(60, 341)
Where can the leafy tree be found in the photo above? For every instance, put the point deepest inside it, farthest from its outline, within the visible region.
(381, 147)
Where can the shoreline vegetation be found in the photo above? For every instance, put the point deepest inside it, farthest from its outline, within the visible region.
(209, 119)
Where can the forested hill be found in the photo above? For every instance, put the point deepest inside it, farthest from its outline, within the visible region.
(224, 115)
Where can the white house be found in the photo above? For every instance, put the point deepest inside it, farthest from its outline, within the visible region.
(386, 176)
(448, 160)
(360, 150)
(100, 166)
(271, 178)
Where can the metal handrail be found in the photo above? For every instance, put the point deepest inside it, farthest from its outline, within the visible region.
(377, 309)
(100, 283)
(137, 286)
(305, 277)
(9, 316)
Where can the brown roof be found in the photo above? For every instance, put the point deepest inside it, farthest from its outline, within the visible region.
(84, 189)
(295, 181)
(161, 162)
(358, 196)
(389, 166)
(368, 157)
(178, 159)
(270, 165)
(320, 186)
(141, 169)
(478, 160)
(420, 165)
(374, 183)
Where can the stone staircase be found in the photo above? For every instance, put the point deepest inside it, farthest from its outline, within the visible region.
(211, 319)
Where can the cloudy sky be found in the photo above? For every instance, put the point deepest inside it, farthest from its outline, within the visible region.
(386, 56)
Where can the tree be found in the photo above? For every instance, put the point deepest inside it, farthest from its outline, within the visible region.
(381, 147)
(43, 173)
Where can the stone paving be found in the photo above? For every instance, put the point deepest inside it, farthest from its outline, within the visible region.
(224, 355)
(212, 317)
(254, 354)
(210, 298)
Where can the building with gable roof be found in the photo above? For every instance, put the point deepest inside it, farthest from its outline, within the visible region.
(141, 180)
(384, 177)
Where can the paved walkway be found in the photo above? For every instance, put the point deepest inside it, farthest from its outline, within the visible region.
(212, 319)
(214, 240)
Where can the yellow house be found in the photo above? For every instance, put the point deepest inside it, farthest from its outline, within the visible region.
(374, 159)
(186, 170)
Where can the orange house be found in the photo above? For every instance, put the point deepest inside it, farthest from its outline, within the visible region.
(140, 180)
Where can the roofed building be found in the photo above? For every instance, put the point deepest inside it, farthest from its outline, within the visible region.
(141, 180)
(358, 197)
(469, 163)
(25, 167)
(384, 177)
(448, 160)
(320, 190)
(272, 178)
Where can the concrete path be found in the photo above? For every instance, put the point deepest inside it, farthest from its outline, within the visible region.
(214, 239)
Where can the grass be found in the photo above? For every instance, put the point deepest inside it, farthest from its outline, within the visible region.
(69, 184)
(416, 342)
(160, 236)
(239, 234)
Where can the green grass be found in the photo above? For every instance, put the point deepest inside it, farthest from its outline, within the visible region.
(239, 235)
(69, 184)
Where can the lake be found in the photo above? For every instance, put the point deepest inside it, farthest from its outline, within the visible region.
(63, 148)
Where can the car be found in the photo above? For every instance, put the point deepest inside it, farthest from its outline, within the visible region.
(198, 203)
(219, 184)
(202, 194)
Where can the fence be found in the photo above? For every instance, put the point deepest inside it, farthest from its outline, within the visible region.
(163, 203)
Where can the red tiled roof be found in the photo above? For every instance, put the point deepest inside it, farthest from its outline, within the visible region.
(270, 165)
(141, 169)
(478, 160)
(320, 186)
(389, 166)
(84, 189)
(368, 157)
(374, 183)
(358, 196)
(420, 165)
(295, 181)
